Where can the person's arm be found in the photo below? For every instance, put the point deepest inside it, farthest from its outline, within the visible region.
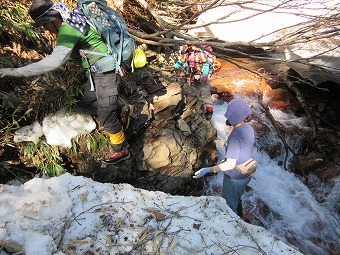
(227, 164)
(232, 153)
(206, 67)
(181, 61)
(178, 64)
(51, 62)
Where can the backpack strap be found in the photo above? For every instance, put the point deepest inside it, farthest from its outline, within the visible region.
(82, 54)
(119, 60)
(107, 63)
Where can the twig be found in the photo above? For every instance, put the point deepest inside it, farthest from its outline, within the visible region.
(176, 213)
(273, 121)
(73, 218)
(16, 176)
(240, 224)
(303, 104)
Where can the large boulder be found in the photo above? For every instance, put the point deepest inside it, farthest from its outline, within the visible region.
(168, 133)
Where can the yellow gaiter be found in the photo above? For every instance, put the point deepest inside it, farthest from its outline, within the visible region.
(117, 138)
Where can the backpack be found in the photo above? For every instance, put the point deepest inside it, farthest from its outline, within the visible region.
(110, 24)
(196, 56)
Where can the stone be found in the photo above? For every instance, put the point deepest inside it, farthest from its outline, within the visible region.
(184, 127)
(11, 246)
(278, 98)
(167, 134)
(171, 98)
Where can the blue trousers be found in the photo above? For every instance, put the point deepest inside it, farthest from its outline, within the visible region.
(232, 192)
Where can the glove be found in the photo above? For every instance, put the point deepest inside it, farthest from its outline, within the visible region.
(178, 65)
(6, 72)
(200, 173)
(204, 79)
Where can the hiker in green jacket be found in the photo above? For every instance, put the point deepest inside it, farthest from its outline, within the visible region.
(99, 93)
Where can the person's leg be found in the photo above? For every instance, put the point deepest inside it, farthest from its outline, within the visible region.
(107, 109)
(232, 192)
(240, 209)
(87, 101)
(205, 93)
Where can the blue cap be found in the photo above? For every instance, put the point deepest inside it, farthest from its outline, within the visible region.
(237, 111)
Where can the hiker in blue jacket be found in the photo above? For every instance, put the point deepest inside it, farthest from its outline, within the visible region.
(100, 92)
(239, 149)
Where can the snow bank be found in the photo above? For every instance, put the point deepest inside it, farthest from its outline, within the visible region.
(67, 212)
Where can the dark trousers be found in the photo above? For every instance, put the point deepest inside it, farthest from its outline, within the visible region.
(103, 101)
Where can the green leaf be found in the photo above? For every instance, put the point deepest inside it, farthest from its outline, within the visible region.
(28, 111)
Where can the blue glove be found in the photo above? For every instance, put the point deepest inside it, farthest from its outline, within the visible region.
(178, 64)
(200, 173)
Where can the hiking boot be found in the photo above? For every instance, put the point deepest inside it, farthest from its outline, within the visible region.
(116, 157)
(208, 115)
(209, 112)
(125, 115)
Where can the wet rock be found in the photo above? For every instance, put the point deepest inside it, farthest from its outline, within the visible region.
(231, 79)
(11, 246)
(330, 173)
(167, 135)
(311, 161)
(278, 98)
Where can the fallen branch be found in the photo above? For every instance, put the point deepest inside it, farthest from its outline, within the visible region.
(287, 147)
(303, 104)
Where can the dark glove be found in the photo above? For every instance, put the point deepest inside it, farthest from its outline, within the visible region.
(204, 79)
